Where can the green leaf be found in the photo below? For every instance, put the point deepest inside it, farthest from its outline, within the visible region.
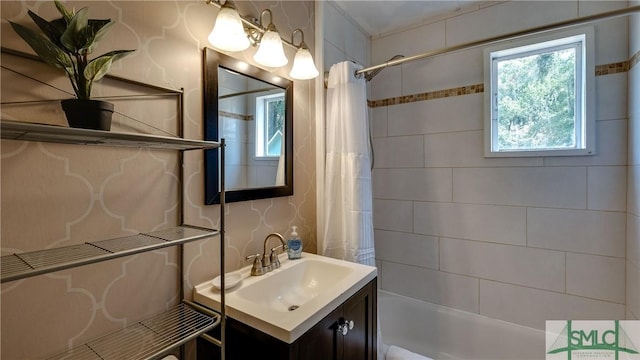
(94, 32)
(51, 30)
(73, 39)
(66, 15)
(97, 68)
(60, 26)
(47, 50)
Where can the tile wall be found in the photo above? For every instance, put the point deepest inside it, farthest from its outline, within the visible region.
(517, 239)
(343, 38)
(633, 173)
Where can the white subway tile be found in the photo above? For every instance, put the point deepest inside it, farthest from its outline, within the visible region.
(460, 68)
(634, 30)
(532, 307)
(387, 84)
(540, 186)
(506, 18)
(611, 147)
(611, 97)
(500, 224)
(412, 184)
(407, 248)
(356, 44)
(589, 7)
(591, 232)
(611, 38)
(379, 121)
(466, 149)
(237, 153)
(543, 269)
(409, 42)
(332, 55)
(460, 292)
(607, 187)
(393, 215)
(634, 121)
(236, 175)
(633, 189)
(456, 113)
(633, 288)
(263, 176)
(335, 26)
(633, 239)
(596, 277)
(399, 152)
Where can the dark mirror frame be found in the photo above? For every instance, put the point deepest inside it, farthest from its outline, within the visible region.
(212, 61)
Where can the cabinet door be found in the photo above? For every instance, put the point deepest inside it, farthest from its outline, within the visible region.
(360, 343)
(322, 341)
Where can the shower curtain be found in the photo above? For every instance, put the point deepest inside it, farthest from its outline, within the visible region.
(348, 225)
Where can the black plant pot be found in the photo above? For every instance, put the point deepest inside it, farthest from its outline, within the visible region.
(88, 114)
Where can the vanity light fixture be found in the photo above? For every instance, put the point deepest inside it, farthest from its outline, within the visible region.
(303, 67)
(234, 32)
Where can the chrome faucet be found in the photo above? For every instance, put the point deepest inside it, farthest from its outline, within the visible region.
(270, 262)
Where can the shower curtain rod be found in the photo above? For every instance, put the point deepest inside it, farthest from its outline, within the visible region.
(369, 72)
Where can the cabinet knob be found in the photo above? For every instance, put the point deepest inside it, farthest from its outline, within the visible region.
(345, 326)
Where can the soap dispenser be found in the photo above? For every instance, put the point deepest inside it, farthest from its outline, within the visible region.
(294, 245)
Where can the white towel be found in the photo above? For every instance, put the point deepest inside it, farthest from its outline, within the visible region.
(398, 353)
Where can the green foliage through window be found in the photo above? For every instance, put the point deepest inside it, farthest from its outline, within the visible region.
(536, 101)
(539, 95)
(275, 126)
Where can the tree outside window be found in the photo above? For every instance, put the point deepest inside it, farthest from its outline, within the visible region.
(539, 96)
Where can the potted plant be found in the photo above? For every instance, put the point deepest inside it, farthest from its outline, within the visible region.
(66, 43)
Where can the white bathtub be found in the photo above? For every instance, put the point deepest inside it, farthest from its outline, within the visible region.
(445, 333)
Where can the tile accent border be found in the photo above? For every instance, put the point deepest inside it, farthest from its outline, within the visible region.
(463, 90)
(235, 116)
(606, 69)
(635, 59)
(614, 68)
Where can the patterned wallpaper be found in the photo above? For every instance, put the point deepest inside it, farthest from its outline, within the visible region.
(57, 195)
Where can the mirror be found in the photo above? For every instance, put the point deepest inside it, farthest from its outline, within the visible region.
(252, 110)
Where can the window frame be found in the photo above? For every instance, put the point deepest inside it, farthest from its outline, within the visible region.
(584, 90)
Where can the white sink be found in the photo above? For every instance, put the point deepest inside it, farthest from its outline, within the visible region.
(301, 282)
(287, 302)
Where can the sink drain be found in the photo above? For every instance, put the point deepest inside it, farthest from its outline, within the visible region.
(293, 307)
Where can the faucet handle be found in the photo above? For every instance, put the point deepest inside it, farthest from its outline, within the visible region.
(275, 261)
(256, 269)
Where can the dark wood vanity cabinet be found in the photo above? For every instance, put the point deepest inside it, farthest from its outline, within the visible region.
(324, 341)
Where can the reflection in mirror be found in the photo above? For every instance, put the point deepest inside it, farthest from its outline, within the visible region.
(252, 110)
(251, 119)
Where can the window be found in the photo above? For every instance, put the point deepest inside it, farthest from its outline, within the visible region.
(270, 112)
(539, 96)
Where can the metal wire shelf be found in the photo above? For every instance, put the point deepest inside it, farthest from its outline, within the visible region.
(23, 265)
(160, 334)
(149, 338)
(14, 130)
